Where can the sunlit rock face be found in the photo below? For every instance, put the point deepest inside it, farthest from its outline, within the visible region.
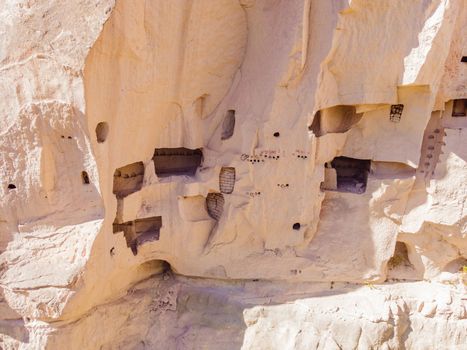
(256, 174)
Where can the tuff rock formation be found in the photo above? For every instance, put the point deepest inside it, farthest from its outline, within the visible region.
(226, 174)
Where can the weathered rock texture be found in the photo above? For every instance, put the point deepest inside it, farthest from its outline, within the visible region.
(305, 160)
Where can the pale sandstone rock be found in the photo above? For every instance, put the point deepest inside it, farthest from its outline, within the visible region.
(286, 256)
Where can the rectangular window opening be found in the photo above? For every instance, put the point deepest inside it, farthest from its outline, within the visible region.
(347, 175)
(140, 231)
(177, 161)
(459, 108)
(128, 179)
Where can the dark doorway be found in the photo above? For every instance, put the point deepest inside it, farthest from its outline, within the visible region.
(459, 108)
(352, 174)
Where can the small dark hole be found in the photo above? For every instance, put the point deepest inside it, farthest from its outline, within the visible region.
(62, 137)
(85, 177)
(464, 59)
(70, 137)
(11, 187)
(296, 226)
(277, 134)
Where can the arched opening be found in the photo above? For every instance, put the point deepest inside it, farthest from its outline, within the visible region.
(102, 130)
(456, 265)
(400, 257)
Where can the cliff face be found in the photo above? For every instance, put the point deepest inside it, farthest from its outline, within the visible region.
(305, 160)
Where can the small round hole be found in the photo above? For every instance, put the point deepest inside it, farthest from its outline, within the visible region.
(102, 130)
(296, 226)
(11, 186)
(277, 134)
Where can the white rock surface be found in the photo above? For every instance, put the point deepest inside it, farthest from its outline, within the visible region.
(305, 249)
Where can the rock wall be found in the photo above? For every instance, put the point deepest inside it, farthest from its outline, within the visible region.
(233, 173)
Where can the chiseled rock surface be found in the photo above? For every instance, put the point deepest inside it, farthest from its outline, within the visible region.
(181, 313)
(328, 209)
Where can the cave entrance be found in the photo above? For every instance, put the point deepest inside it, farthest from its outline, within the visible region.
(400, 257)
(128, 179)
(344, 174)
(140, 231)
(176, 161)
